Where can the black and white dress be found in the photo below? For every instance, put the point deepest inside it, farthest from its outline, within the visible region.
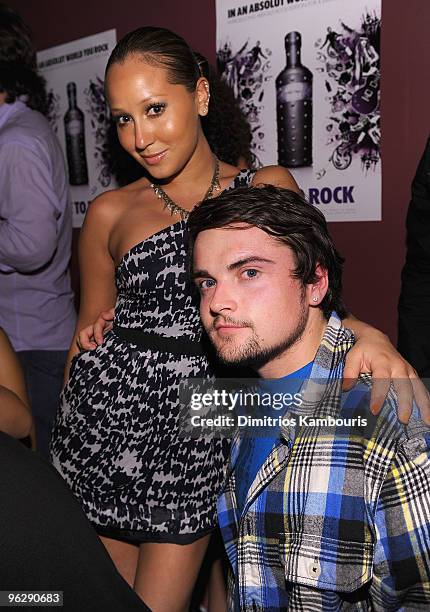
(116, 440)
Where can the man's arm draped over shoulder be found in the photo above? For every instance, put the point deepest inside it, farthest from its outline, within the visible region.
(28, 209)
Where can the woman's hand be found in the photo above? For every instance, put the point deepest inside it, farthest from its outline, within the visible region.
(373, 353)
(92, 336)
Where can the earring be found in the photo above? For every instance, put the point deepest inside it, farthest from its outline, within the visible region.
(315, 299)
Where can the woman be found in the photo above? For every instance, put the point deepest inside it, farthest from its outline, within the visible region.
(150, 493)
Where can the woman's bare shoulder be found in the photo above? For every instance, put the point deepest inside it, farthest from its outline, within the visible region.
(110, 205)
(277, 176)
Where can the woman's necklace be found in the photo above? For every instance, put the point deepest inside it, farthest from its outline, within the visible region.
(174, 208)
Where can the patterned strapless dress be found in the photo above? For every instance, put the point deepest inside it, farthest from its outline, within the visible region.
(117, 440)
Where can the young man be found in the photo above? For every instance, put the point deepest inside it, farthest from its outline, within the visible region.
(36, 300)
(332, 510)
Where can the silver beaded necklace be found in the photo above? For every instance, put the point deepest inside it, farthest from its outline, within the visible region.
(176, 209)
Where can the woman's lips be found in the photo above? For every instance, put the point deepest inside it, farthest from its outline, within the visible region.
(154, 159)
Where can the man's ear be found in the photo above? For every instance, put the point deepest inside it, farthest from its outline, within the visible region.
(319, 288)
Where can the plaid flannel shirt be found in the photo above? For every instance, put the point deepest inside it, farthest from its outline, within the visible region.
(337, 518)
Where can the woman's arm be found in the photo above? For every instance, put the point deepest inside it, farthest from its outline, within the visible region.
(96, 266)
(15, 414)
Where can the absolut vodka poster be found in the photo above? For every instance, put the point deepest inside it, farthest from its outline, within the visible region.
(307, 75)
(78, 112)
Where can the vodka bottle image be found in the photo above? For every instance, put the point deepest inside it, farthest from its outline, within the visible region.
(74, 126)
(294, 107)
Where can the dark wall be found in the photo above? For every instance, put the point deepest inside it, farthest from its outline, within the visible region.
(55, 22)
(374, 250)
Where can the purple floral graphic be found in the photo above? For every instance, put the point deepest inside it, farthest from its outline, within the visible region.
(350, 62)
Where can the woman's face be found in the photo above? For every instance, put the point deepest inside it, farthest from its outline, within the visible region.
(158, 123)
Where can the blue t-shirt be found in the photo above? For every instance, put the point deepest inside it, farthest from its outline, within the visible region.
(254, 450)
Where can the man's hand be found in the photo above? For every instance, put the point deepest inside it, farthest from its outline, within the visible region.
(376, 355)
(92, 336)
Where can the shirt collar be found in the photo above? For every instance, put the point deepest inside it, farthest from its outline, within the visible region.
(277, 384)
(9, 110)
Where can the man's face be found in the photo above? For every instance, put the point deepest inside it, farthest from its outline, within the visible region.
(251, 306)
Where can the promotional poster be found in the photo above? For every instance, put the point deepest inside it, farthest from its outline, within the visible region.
(307, 75)
(78, 112)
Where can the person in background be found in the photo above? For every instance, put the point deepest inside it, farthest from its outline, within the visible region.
(36, 300)
(414, 303)
(15, 415)
(47, 543)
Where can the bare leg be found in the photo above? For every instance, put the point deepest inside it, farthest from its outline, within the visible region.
(166, 574)
(125, 557)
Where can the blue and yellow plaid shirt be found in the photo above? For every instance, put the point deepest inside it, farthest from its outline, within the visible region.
(338, 517)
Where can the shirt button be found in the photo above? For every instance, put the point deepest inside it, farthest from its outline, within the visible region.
(314, 569)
